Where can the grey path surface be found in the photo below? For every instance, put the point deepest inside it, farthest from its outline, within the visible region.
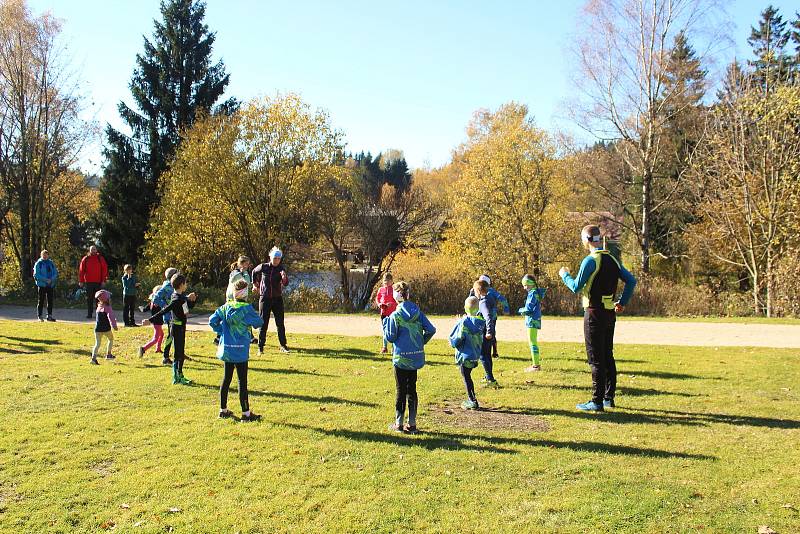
(629, 331)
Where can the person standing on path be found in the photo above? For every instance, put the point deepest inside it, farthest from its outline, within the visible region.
(129, 289)
(92, 275)
(45, 275)
(270, 279)
(597, 281)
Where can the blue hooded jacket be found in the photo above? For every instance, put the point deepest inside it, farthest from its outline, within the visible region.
(533, 308)
(467, 339)
(232, 321)
(45, 270)
(500, 300)
(409, 330)
(163, 297)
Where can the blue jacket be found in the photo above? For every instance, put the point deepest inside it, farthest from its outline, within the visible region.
(533, 308)
(232, 321)
(588, 266)
(44, 270)
(467, 339)
(163, 297)
(128, 285)
(496, 298)
(409, 330)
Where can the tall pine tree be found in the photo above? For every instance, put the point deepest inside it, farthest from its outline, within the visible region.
(768, 41)
(683, 93)
(174, 80)
(795, 32)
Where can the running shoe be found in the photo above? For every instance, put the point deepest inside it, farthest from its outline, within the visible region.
(41, 319)
(412, 429)
(590, 406)
(394, 427)
(533, 369)
(284, 349)
(185, 381)
(110, 357)
(491, 384)
(94, 361)
(469, 405)
(166, 361)
(609, 403)
(141, 352)
(51, 319)
(225, 414)
(250, 418)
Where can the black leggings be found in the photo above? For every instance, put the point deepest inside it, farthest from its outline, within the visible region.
(406, 382)
(274, 305)
(91, 302)
(241, 374)
(45, 293)
(178, 336)
(466, 374)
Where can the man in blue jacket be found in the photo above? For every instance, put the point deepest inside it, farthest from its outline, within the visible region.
(45, 275)
(597, 281)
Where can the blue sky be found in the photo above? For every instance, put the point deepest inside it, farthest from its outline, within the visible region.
(404, 75)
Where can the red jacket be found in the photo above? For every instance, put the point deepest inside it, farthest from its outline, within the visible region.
(93, 270)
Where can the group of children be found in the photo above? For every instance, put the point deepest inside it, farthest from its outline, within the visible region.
(473, 338)
(404, 325)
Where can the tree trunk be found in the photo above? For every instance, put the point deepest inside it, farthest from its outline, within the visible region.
(25, 265)
(647, 199)
(756, 304)
(768, 274)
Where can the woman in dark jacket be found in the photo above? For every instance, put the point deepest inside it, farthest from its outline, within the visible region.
(269, 279)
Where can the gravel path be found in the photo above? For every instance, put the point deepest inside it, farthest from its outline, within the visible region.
(629, 330)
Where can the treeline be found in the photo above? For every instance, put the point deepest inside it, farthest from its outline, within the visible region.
(698, 174)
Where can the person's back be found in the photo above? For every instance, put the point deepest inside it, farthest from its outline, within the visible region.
(467, 339)
(409, 330)
(232, 321)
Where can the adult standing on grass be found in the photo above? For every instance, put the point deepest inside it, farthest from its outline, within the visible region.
(597, 281)
(270, 278)
(92, 275)
(45, 275)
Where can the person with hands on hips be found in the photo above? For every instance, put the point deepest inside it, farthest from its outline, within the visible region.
(597, 281)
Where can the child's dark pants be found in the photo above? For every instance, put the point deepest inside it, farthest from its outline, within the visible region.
(466, 374)
(241, 374)
(128, 307)
(406, 382)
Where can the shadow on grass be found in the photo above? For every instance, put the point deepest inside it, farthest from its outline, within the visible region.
(324, 399)
(622, 390)
(659, 417)
(355, 354)
(434, 440)
(649, 374)
(252, 368)
(705, 418)
(33, 340)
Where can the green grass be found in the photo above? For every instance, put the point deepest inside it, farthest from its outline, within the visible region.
(704, 439)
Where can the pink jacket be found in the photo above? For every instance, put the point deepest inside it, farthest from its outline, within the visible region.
(385, 301)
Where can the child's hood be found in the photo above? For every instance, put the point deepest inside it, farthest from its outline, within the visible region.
(235, 311)
(474, 323)
(408, 310)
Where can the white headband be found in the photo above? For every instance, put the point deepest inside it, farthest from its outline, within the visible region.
(484, 278)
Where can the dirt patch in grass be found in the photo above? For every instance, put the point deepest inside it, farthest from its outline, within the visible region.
(451, 414)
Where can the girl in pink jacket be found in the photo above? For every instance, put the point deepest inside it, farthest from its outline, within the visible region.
(386, 303)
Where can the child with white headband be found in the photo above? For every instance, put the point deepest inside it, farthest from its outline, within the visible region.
(232, 322)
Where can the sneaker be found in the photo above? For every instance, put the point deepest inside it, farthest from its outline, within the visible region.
(253, 341)
(94, 361)
(176, 380)
(384, 350)
(166, 361)
(394, 427)
(225, 414)
(284, 349)
(590, 406)
(469, 405)
(41, 319)
(533, 369)
(185, 381)
(609, 403)
(412, 429)
(216, 340)
(110, 357)
(141, 352)
(250, 418)
(50, 319)
(491, 384)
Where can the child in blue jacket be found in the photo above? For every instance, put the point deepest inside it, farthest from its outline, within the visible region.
(161, 300)
(232, 322)
(467, 339)
(496, 299)
(532, 311)
(408, 330)
(46, 275)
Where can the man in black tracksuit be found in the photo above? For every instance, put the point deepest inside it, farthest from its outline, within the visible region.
(270, 279)
(597, 280)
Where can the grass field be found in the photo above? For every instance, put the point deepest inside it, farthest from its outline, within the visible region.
(703, 440)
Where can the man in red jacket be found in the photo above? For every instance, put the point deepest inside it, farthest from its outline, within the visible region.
(92, 275)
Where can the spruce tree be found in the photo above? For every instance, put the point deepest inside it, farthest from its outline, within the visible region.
(174, 80)
(795, 60)
(768, 41)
